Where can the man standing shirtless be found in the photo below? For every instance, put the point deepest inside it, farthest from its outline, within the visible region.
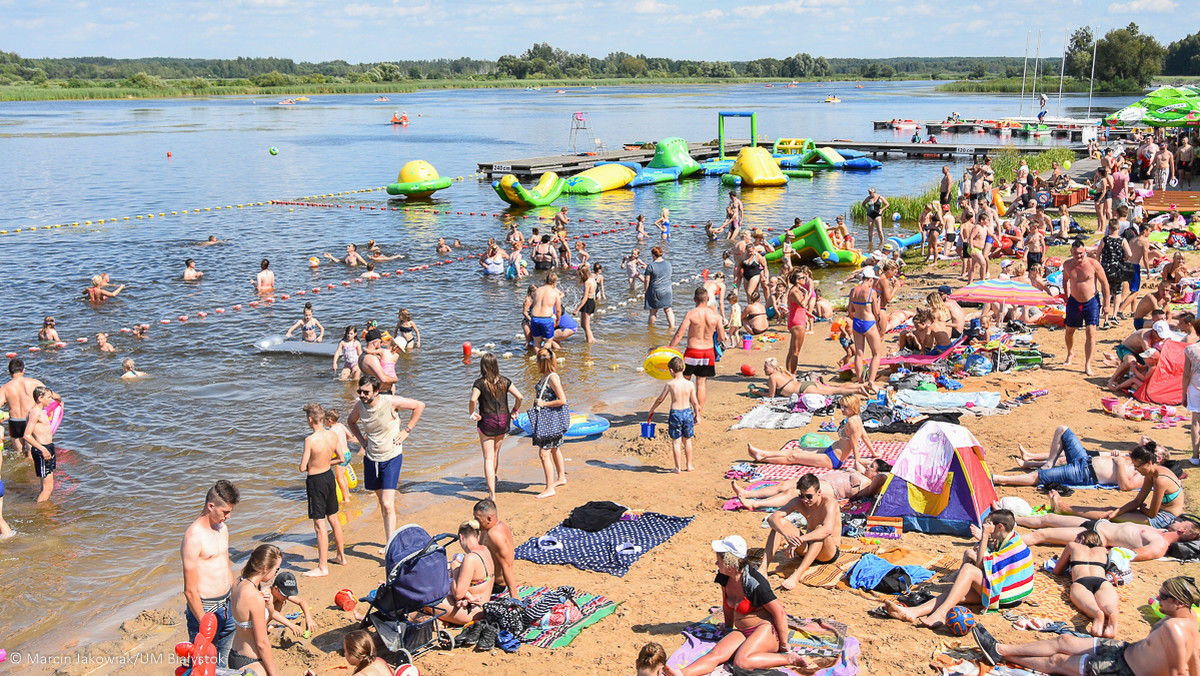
(820, 544)
(17, 394)
(546, 307)
(207, 578)
(1146, 542)
(703, 326)
(1086, 288)
(1163, 167)
(498, 538)
(371, 363)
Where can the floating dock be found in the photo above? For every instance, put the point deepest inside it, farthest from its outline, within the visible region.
(566, 165)
(1068, 128)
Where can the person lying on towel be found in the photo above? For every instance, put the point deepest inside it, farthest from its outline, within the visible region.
(1146, 542)
(820, 544)
(841, 485)
(996, 574)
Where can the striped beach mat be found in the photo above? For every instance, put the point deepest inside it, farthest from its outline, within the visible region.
(885, 450)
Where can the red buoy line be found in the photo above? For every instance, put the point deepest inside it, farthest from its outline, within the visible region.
(280, 297)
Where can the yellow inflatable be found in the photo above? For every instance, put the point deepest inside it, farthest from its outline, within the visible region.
(656, 362)
(756, 168)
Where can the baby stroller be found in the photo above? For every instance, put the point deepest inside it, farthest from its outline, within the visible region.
(417, 578)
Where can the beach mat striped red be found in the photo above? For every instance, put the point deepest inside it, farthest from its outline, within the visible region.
(886, 450)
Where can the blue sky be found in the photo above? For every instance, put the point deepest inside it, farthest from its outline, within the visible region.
(382, 30)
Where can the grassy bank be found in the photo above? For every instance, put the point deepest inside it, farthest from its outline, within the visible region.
(1012, 85)
(1004, 164)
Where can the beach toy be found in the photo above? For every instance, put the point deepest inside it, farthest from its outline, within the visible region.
(959, 621)
(1154, 610)
(748, 370)
(273, 150)
(55, 412)
(648, 429)
(313, 262)
(1108, 403)
(418, 178)
(345, 600)
(896, 217)
(656, 362)
(582, 424)
(747, 341)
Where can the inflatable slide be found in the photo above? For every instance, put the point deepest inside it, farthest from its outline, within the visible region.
(549, 187)
(813, 241)
(754, 167)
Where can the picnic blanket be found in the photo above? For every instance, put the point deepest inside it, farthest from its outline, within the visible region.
(770, 416)
(750, 471)
(949, 399)
(818, 643)
(1053, 597)
(594, 608)
(944, 564)
(598, 551)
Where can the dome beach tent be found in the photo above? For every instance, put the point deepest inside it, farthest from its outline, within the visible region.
(1165, 384)
(939, 483)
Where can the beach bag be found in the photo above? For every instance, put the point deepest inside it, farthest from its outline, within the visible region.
(506, 613)
(978, 365)
(562, 615)
(547, 424)
(897, 581)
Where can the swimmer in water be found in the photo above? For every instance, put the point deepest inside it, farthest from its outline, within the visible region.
(407, 335)
(598, 275)
(664, 224)
(308, 326)
(353, 258)
(48, 334)
(139, 331)
(641, 226)
(190, 273)
(97, 293)
(102, 343)
(457, 244)
(587, 303)
(582, 254)
(561, 220)
(370, 273)
(212, 239)
(265, 282)
(130, 371)
(442, 248)
(349, 350)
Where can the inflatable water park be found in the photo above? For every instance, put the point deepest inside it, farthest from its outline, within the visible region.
(753, 167)
(418, 179)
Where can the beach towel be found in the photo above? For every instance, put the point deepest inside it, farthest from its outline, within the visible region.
(888, 527)
(734, 504)
(944, 564)
(1008, 573)
(750, 471)
(818, 643)
(771, 417)
(829, 574)
(593, 609)
(1053, 597)
(870, 569)
(598, 551)
(949, 399)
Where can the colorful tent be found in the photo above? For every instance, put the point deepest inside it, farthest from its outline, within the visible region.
(940, 482)
(1163, 107)
(1003, 291)
(1165, 384)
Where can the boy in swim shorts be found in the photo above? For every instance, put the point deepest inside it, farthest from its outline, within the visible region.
(41, 441)
(684, 413)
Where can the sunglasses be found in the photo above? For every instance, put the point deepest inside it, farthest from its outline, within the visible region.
(808, 496)
(367, 392)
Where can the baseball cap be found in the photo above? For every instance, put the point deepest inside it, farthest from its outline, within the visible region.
(374, 334)
(945, 290)
(945, 207)
(285, 582)
(1163, 329)
(731, 544)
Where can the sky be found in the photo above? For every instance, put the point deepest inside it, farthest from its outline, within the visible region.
(732, 30)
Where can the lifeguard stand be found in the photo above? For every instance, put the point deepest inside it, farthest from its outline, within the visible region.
(721, 129)
(581, 131)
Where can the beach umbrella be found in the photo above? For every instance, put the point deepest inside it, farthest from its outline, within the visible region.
(1003, 291)
(1163, 107)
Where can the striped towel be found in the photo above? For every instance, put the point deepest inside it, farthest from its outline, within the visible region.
(886, 450)
(1008, 573)
(894, 522)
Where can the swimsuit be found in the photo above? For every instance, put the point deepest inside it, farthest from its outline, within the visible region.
(1079, 314)
(43, 466)
(542, 327)
(797, 315)
(836, 553)
(863, 325)
(589, 306)
(699, 362)
(681, 423)
(1107, 659)
(1123, 352)
(321, 491)
(833, 459)
(349, 356)
(16, 427)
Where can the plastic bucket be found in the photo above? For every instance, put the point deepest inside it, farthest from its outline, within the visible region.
(747, 341)
(648, 430)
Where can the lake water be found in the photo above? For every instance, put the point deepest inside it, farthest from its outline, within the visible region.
(136, 458)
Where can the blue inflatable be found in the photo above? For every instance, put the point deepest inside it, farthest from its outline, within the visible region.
(582, 424)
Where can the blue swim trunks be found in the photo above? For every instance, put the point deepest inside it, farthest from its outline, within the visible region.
(384, 475)
(568, 323)
(541, 327)
(1083, 314)
(681, 423)
(1, 488)
(1163, 519)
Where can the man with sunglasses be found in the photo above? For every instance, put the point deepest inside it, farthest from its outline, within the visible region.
(1169, 649)
(820, 544)
(382, 443)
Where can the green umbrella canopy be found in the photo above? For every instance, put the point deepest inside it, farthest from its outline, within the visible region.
(1163, 107)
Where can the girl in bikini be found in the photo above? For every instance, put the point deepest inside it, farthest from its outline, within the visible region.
(308, 327)
(407, 335)
(1158, 503)
(865, 310)
(472, 582)
(841, 454)
(1086, 558)
(250, 612)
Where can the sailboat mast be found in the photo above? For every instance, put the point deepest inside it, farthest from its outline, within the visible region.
(1061, 73)
(1024, 69)
(1037, 55)
(1092, 79)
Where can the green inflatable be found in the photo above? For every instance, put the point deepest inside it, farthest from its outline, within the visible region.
(548, 189)
(671, 153)
(812, 241)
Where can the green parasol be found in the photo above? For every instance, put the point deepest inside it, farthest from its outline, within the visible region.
(1163, 107)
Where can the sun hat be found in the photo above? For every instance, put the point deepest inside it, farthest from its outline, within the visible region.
(731, 544)
(868, 272)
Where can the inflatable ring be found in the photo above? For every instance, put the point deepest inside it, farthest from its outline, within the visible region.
(582, 424)
(55, 412)
(655, 364)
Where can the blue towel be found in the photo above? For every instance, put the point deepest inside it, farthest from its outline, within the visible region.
(870, 569)
(598, 551)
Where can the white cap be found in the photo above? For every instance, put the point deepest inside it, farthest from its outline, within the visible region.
(1163, 329)
(868, 272)
(732, 544)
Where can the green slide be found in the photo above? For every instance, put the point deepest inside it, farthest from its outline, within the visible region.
(812, 242)
(671, 153)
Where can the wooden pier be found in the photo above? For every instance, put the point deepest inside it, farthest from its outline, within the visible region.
(1070, 129)
(566, 165)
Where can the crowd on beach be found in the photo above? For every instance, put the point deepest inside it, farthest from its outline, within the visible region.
(742, 299)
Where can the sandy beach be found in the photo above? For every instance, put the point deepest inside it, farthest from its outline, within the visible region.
(672, 586)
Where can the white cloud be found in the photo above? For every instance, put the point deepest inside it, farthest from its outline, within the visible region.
(392, 12)
(788, 7)
(712, 14)
(652, 7)
(29, 24)
(1138, 6)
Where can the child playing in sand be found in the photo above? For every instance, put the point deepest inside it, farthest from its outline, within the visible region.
(651, 660)
(684, 413)
(846, 341)
(130, 371)
(664, 224)
(341, 457)
(286, 589)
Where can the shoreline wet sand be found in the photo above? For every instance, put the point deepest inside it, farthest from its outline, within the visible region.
(672, 586)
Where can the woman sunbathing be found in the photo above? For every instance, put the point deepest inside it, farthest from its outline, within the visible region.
(1159, 502)
(471, 586)
(838, 485)
(758, 636)
(1082, 468)
(780, 383)
(1091, 592)
(841, 454)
